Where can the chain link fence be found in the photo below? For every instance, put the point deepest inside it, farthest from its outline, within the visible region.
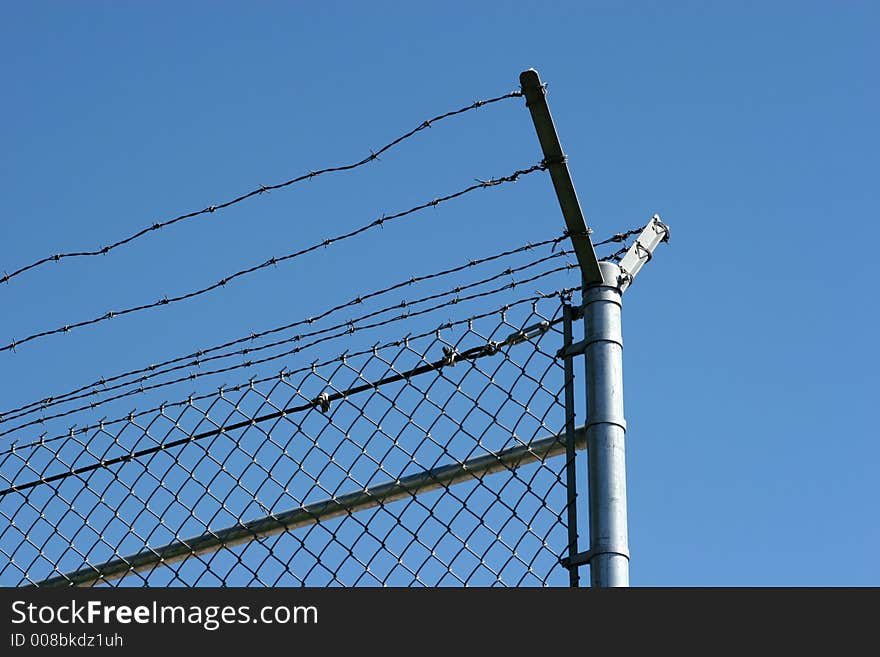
(434, 460)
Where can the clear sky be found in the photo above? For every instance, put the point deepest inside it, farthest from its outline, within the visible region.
(751, 365)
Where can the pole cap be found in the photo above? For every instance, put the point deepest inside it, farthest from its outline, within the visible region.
(612, 275)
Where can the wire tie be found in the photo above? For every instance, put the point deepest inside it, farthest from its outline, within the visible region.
(659, 226)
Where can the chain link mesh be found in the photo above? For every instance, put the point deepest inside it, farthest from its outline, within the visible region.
(378, 484)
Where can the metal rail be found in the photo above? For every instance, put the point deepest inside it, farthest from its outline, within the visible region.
(554, 158)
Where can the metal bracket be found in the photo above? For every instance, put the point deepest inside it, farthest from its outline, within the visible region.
(577, 560)
(554, 159)
(584, 558)
(575, 349)
(642, 251)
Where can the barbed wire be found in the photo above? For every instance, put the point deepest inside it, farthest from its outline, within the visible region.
(100, 386)
(617, 256)
(621, 237)
(618, 238)
(349, 328)
(564, 293)
(374, 155)
(102, 382)
(481, 184)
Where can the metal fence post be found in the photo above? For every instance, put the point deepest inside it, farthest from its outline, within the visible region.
(606, 431)
(603, 285)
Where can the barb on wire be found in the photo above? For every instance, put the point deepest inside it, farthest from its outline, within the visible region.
(616, 256)
(285, 373)
(620, 237)
(196, 358)
(165, 301)
(347, 329)
(374, 155)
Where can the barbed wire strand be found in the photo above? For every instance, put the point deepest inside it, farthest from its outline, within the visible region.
(262, 189)
(480, 351)
(285, 373)
(344, 333)
(621, 237)
(481, 184)
(617, 255)
(101, 383)
(349, 327)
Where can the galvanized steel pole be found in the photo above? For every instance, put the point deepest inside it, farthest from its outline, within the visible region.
(606, 430)
(603, 285)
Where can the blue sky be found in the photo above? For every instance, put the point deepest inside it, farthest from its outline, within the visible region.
(751, 359)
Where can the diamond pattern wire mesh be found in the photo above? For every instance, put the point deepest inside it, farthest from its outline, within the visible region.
(502, 528)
